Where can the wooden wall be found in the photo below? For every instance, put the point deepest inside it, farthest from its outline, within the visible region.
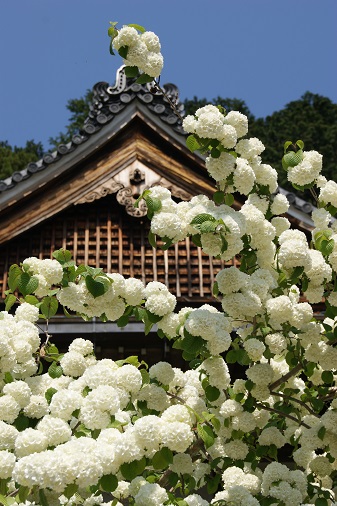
(102, 234)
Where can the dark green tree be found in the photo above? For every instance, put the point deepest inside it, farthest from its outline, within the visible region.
(13, 159)
(313, 119)
(79, 108)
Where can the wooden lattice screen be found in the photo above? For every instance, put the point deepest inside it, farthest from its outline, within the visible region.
(102, 234)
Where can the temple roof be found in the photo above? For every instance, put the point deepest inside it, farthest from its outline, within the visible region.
(112, 109)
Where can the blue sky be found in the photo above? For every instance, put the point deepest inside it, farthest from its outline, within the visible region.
(266, 52)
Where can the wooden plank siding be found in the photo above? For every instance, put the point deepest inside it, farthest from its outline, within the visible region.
(101, 233)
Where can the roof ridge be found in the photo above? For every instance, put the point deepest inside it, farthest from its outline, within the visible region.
(108, 101)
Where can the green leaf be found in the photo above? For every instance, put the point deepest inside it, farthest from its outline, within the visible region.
(300, 144)
(317, 404)
(297, 272)
(21, 422)
(192, 143)
(286, 145)
(215, 289)
(152, 240)
(213, 484)
(27, 284)
(8, 377)
(231, 357)
(70, 490)
(321, 432)
(43, 499)
(132, 469)
(229, 199)
(55, 371)
(31, 299)
(321, 501)
(131, 71)
(111, 48)
(218, 197)
(196, 239)
(9, 301)
(14, 276)
(215, 153)
(153, 204)
(23, 493)
(140, 28)
(206, 434)
(49, 307)
(62, 255)
(191, 344)
(201, 218)
(6, 501)
(96, 288)
(167, 244)
(123, 51)
(123, 320)
(292, 159)
(144, 78)
(162, 459)
(49, 394)
(154, 318)
(207, 227)
(327, 377)
(112, 32)
(327, 247)
(145, 376)
(108, 483)
(212, 393)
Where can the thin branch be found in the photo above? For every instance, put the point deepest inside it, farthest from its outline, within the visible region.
(331, 395)
(290, 398)
(172, 104)
(285, 377)
(277, 411)
(314, 194)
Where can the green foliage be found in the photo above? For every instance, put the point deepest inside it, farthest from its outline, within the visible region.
(206, 434)
(312, 118)
(79, 109)
(133, 469)
(13, 158)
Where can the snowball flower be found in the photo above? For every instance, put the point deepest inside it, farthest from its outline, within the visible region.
(151, 494)
(7, 462)
(27, 312)
(239, 121)
(249, 148)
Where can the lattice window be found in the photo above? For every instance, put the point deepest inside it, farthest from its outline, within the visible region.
(102, 234)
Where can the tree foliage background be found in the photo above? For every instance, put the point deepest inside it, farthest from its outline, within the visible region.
(312, 118)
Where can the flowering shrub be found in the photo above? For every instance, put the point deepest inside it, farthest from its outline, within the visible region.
(88, 431)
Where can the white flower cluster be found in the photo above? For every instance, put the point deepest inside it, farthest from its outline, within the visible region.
(212, 326)
(48, 272)
(238, 171)
(173, 221)
(120, 293)
(244, 295)
(284, 309)
(284, 485)
(307, 171)
(50, 456)
(294, 252)
(328, 193)
(19, 341)
(261, 233)
(210, 123)
(143, 50)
